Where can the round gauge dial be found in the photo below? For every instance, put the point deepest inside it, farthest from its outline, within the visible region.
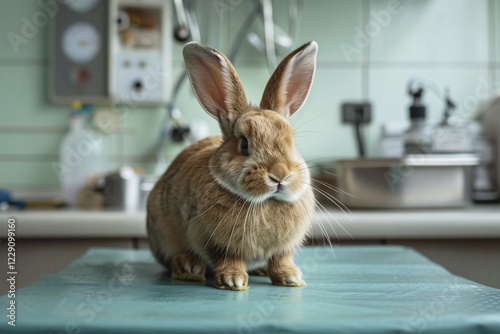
(82, 6)
(81, 42)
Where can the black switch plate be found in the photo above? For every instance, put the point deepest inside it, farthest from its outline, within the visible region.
(360, 113)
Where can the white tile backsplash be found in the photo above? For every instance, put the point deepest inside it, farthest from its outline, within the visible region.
(23, 96)
(320, 133)
(430, 31)
(21, 38)
(328, 22)
(331, 23)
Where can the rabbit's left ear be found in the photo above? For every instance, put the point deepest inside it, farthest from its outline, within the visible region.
(288, 87)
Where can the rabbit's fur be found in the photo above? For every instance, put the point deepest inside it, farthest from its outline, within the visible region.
(244, 197)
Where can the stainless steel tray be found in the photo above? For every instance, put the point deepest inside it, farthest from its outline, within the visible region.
(415, 181)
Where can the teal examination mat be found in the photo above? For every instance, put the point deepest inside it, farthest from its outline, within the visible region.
(371, 289)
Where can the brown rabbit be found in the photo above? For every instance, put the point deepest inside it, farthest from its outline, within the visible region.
(243, 198)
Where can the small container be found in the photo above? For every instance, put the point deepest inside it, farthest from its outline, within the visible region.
(122, 190)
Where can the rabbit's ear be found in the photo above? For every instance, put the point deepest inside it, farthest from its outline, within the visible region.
(288, 87)
(215, 84)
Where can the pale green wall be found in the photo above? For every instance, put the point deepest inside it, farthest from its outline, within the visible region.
(452, 41)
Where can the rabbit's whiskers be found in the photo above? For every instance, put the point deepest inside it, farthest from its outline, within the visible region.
(235, 222)
(324, 231)
(328, 213)
(308, 121)
(334, 200)
(249, 209)
(330, 198)
(334, 188)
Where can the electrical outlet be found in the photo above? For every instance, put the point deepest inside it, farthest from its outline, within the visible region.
(356, 113)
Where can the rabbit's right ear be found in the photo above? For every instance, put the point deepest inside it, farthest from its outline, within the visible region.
(215, 84)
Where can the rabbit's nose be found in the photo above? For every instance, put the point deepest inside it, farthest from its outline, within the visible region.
(279, 172)
(279, 176)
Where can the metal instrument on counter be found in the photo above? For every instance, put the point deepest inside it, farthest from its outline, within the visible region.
(121, 189)
(127, 189)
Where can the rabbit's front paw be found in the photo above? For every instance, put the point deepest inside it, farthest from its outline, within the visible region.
(232, 280)
(283, 271)
(187, 267)
(288, 278)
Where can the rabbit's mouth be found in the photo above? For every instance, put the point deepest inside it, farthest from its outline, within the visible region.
(288, 190)
(288, 195)
(280, 189)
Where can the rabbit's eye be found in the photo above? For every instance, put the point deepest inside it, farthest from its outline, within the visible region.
(244, 146)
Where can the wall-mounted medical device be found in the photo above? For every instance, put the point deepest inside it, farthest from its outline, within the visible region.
(116, 51)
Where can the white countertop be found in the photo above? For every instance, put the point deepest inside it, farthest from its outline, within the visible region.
(468, 223)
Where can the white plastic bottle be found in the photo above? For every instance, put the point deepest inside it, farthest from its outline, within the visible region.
(81, 154)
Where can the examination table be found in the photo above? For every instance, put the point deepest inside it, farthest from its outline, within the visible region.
(371, 289)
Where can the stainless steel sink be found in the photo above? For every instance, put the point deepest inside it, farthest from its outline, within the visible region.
(416, 181)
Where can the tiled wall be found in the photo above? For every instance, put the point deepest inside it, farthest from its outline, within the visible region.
(455, 42)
